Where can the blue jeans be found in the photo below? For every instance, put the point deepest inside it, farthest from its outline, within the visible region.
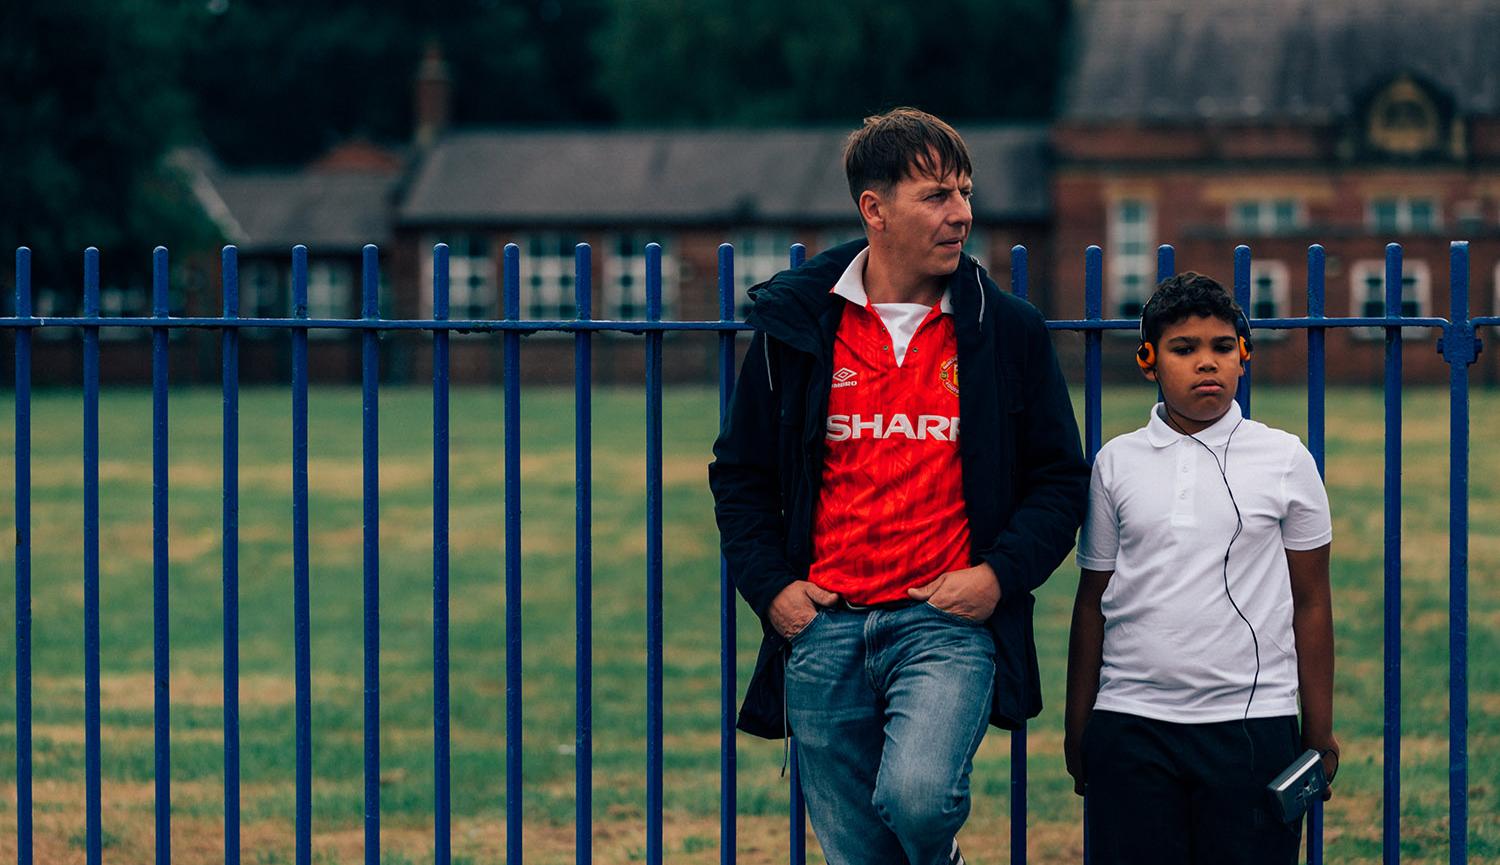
(888, 707)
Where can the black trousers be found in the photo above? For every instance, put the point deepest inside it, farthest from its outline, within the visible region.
(1159, 793)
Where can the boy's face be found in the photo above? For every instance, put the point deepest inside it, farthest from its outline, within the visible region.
(1198, 367)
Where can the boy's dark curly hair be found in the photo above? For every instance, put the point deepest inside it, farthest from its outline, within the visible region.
(1184, 296)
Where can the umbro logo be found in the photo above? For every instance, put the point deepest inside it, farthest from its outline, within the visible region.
(845, 377)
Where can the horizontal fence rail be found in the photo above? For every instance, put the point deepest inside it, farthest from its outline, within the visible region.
(1459, 346)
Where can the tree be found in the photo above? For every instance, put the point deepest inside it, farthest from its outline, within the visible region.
(91, 108)
(280, 81)
(799, 61)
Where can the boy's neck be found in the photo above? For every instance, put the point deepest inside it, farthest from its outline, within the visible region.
(1186, 425)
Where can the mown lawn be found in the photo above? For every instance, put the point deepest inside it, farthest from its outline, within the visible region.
(1355, 438)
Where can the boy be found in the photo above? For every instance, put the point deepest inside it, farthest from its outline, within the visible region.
(1203, 611)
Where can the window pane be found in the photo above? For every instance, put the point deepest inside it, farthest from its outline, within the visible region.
(1422, 212)
(1286, 214)
(1384, 211)
(1247, 215)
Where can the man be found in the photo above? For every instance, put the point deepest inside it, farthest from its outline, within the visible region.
(886, 524)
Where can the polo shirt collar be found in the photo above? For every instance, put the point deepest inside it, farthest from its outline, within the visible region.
(851, 285)
(1161, 434)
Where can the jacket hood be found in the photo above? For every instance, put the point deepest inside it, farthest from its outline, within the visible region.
(793, 305)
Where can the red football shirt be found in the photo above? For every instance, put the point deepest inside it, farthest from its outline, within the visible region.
(891, 511)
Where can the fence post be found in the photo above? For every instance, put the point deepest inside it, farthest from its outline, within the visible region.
(1460, 348)
(93, 819)
(798, 816)
(653, 561)
(161, 651)
(728, 771)
(301, 604)
(442, 823)
(511, 357)
(1018, 780)
(231, 558)
(1392, 776)
(23, 562)
(583, 480)
(1242, 297)
(370, 409)
(1316, 392)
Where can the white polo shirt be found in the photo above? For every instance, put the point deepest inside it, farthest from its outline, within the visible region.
(1160, 518)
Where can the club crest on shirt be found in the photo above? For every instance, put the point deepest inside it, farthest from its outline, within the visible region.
(948, 374)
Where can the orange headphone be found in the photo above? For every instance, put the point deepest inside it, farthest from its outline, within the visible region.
(1145, 355)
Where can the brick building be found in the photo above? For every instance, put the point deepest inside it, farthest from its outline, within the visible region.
(1282, 123)
(1200, 123)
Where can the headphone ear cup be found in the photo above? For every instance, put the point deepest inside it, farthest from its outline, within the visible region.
(1145, 356)
(1244, 350)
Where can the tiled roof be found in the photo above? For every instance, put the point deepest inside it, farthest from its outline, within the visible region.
(1259, 60)
(681, 177)
(328, 210)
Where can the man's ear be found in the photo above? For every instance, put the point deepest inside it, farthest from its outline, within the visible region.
(872, 210)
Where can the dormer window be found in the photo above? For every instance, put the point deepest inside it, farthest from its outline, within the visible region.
(1403, 119)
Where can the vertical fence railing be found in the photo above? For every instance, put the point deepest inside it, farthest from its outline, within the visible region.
(442, 800)
(93, 793)
(728, 762)
(230, 375)
(1020, 288)
(798, 845)
(1316, 386)
(653, 561)
(1392, 766)
(583, 561)
(1459, 347)
(24, 826)
(370, 410)
(301, 565)
(161, 643)
(511, 340)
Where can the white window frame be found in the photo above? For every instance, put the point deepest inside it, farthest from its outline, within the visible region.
(265, 290)
(1129, 269)
(548, 277)
(1278, 280)
(1368, 275)
(323, 279)
(123, 302)
(625, 276)
(759, 254)
(473, 277)
(1264, 221)
(1403, 206)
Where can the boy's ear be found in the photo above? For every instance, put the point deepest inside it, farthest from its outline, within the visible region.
(1150, 373)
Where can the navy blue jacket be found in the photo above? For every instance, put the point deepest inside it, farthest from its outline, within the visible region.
(1025, 482)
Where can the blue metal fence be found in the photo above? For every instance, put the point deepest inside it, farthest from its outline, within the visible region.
(1458, 345)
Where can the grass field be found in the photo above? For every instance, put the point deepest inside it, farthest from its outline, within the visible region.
(691, 667)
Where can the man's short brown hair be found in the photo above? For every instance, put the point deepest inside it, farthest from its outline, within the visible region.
(892, 146)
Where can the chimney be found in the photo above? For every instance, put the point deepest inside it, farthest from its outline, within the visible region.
(432, 95)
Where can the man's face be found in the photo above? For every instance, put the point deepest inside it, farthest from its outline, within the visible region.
(925, 221)
(1198, 367)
